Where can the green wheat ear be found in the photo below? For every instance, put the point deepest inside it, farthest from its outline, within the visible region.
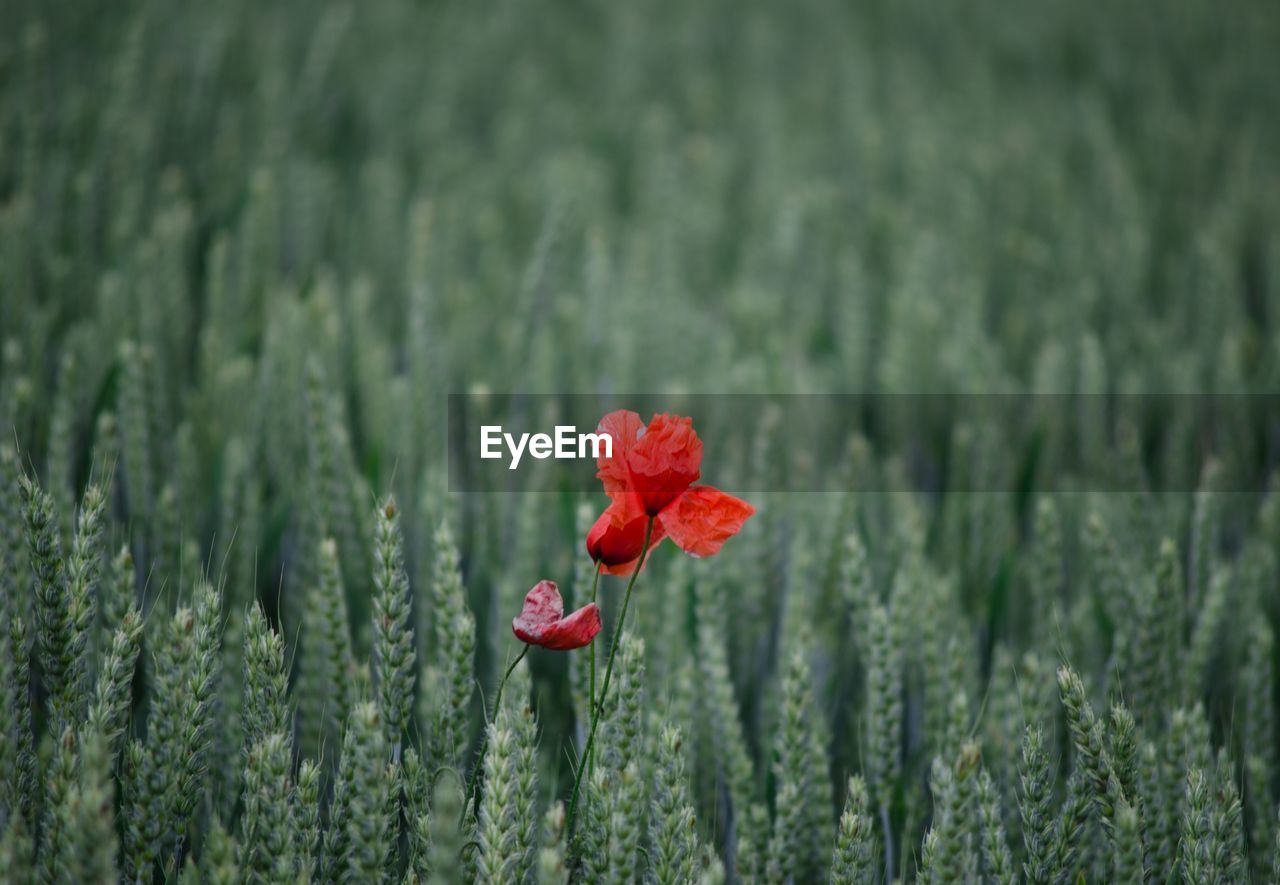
(955, 817)
(54, 627)
(524, 811)
(117, 595)
(363, 777)
(625, 825)
(18, 850)
(113, 695)
(1035, 809)
(328, 663)
(417, 814)
(854, 859)
(551, 867)
(448, 834)
(507, 821)
(219, 862)
(84, 565)
(165, 777)
(791, 847)
(306, 815)
(23, 778)
(1094, 758)
(672, 833)
(996, 857)
(455, 654)
(884, 720)
(590, 847)
(1128, 858)
(268, 837)
(393, 643)
(717, 709)
(266, 710)
(497, 848)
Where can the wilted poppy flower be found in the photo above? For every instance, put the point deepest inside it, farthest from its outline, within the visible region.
(651, 474)
(542, 621)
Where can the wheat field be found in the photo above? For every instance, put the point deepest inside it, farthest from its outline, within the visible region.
(253, 623)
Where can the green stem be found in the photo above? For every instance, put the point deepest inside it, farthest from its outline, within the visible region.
(595, 585)
(608, 675)
(478, 774)
(497, 698)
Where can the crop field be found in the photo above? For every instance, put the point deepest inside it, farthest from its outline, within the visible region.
(266, 617)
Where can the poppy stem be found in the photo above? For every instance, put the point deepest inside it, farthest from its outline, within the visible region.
(595, 585)
(608, 675)
(478, 775)
(497, 697)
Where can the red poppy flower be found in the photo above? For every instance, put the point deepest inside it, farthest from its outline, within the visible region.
(542, 621)
(651, 474)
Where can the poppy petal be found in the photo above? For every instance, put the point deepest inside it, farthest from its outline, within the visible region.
(625, 427)
(542, 605)
(618, 534)
(703, 518)
(617, 538)
(575, 631)
(542, 620)
(665, 461)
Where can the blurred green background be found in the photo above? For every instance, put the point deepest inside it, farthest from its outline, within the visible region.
(226, 227)
(736, 196)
